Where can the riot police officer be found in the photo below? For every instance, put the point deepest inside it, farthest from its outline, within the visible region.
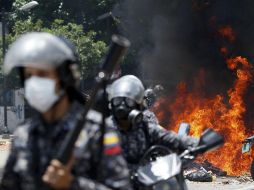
(48, 70)
(152, 94)
(150, 97)
(126, 96)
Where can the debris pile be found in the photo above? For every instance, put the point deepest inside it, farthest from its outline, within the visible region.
(203, 172)
(200, 175)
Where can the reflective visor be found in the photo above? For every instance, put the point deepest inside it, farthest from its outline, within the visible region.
(119, 100)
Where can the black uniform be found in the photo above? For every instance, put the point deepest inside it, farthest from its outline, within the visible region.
(149, 117)
(137, 140)
(35, 144)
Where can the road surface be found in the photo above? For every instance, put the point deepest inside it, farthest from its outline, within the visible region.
(224, 183)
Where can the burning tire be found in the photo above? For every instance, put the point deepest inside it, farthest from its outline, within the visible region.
(252, 170)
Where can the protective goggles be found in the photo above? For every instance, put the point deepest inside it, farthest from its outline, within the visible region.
(128, 102)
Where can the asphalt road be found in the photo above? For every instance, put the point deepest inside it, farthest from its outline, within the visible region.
(225, 183)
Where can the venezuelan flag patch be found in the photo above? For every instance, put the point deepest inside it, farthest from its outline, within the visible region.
(111, 144)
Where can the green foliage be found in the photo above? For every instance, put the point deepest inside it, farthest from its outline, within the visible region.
(84, 12)
(74, 19)
(89, 49)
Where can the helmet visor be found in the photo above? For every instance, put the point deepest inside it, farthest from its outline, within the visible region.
(119, 100)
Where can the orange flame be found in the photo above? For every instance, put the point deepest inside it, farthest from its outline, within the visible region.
(224, 114)
(227, 33)
(224, 51)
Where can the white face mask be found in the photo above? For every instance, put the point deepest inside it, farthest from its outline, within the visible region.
(40, 93)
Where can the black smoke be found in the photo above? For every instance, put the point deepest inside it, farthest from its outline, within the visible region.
(176, 39)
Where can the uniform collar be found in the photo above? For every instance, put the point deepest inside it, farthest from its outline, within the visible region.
(66, 123)
(133, 128)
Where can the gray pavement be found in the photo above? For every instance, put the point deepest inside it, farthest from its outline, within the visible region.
(216, 186)
(224, 183)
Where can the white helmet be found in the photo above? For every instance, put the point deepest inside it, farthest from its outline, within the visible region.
(40, 50)
(127, 86)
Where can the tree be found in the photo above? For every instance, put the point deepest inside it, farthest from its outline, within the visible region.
(6, 4)
(89, 49)
(75, 19)
(84, 12)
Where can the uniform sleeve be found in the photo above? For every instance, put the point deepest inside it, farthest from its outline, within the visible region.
(111, 171)
(160, 136)
(115, 172)
(10, 179)
(150, 117)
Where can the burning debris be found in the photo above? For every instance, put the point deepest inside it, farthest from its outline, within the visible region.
(186, 44)
(203, 172)
(208, 167)
(199, 175)
(224, 114)
(227, 32)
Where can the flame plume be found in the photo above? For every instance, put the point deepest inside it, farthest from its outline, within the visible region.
(227, 32)
(224, 114)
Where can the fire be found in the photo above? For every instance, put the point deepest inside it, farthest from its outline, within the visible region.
(227, 32)
(224, 51)
(222, 113)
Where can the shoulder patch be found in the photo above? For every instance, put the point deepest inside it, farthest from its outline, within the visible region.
(111, 144)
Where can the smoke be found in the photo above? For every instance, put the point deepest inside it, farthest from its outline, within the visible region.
(178, 40)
